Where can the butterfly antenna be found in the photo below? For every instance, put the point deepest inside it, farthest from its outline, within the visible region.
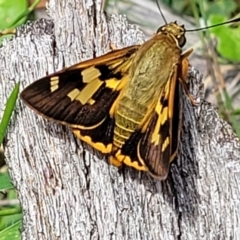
(216, 25)
(159, 8)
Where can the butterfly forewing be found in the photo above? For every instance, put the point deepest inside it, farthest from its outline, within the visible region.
(75, 95)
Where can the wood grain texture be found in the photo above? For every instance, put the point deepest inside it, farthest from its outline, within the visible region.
(67, 192)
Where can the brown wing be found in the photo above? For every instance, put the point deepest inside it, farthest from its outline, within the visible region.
(155, 146)
(159, 145)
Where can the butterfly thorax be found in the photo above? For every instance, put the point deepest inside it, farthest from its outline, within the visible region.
(148, 78)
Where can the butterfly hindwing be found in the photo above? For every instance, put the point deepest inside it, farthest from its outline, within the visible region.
(101, 137)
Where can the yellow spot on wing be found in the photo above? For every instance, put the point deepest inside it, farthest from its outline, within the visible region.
(73, 94)
(89, 74)
(91, 101)
(164, 116)
(112, 83)
(54, 83)
(117, 84)
(88, 91)
(165, 144)
(158, 108)
(86, 94)
(156, 135)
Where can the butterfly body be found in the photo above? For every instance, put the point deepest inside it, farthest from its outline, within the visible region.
(126, 104)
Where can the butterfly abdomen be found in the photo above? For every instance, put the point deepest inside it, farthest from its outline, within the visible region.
(128, 117)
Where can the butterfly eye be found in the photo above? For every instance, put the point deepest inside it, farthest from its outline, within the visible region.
(181, 40)
(161, 29)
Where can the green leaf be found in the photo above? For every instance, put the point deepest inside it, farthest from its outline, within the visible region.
(25, 13)
(5, 182)
(228, 39)
(10, 10)
(11, 102)
(12, 232)
(224, 8)
(12, 14)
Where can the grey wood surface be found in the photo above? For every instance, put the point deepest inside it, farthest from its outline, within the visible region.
(67, 192)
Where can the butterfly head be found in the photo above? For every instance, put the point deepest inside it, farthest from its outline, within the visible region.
(176, 30)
